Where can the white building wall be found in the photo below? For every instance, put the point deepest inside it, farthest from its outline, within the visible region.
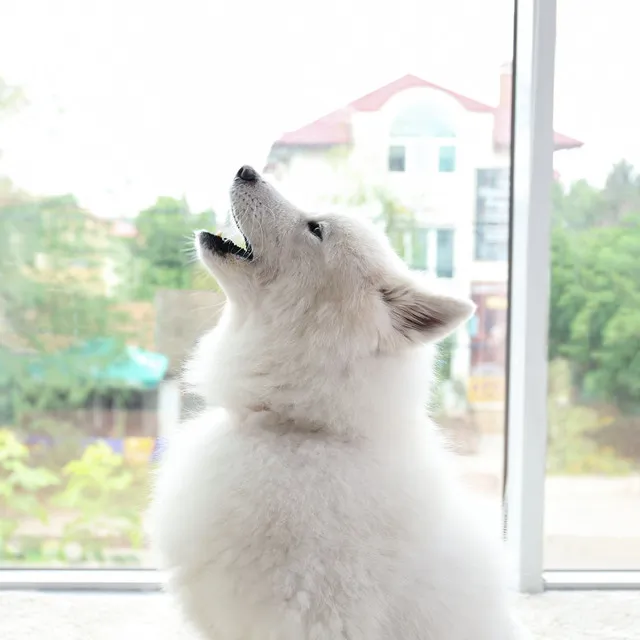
(440, 200)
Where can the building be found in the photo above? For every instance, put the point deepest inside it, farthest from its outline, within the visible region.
(443, 157)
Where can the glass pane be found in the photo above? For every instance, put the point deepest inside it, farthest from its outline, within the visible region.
(492, 214)
(447, 159)
(419, 253)
(445, 259)
(593, 489)
(120, 134)
(396, 158)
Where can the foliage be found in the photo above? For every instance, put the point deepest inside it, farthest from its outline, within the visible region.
(445, 355)
(595, 296)
(572, 446)
(580, 207)
(594, 320)
(59, 294)
(443, 381)
(161, 248)
(19, 484)
(53, 295)
(107, 496)
(388, 211)
(99, 497)
(584, 206)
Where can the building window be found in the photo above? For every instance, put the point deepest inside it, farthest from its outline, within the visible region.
(396, 158)
(492, 242)
(417, 241)
(444, 258)
(447, 159)
(432, 116)
(492, 214)
(419, 251)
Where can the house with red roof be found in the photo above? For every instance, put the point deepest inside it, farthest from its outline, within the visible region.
(442, 156)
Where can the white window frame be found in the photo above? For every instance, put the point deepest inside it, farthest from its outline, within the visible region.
(532, 175)
(527, 377)
(532, 171)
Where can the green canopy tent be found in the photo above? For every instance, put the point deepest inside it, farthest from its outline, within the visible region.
(105, 362)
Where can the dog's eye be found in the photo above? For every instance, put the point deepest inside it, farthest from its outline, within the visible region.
(315, 228)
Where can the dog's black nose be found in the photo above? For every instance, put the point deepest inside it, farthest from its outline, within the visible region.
(247, 173)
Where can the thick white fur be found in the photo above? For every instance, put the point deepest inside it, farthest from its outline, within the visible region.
(313, 499)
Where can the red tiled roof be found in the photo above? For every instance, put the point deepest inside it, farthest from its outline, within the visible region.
(375, 100)
(335, 127)
(502, 132)
(565, 142)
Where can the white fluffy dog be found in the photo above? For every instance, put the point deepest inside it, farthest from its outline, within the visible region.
(313, 500)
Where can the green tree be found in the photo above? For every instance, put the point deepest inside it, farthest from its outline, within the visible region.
(580, 207)
(584, 206)
(621, 194)
(596, 308)
(386, 208)
(53, 296)
(573, 431)
(162, 250)
(595, 289)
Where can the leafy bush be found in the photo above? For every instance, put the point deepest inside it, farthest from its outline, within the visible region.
(19, 486)
(97, 498)
(572, 446)
(107, 497)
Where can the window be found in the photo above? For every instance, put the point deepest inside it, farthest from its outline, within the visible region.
(413, 247)
(121, 326)
(492, 214)
(396, 158)
(419, 249)
(428, 249)
(592, 499)
(444, 264)
(85, 442)
(432, 115)
(447, 159)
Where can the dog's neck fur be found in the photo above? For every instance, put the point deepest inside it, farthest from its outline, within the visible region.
(249, 368)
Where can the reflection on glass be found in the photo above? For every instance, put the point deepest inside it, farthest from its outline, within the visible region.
(593, 489)
(100, 298)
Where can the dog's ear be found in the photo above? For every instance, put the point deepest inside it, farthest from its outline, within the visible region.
(422, 316)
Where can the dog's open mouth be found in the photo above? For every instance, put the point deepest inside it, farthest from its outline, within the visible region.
(225, 246)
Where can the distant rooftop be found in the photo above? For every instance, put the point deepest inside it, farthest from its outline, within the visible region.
(334, 128)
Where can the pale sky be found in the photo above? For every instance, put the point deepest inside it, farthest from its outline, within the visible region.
(131, 99)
